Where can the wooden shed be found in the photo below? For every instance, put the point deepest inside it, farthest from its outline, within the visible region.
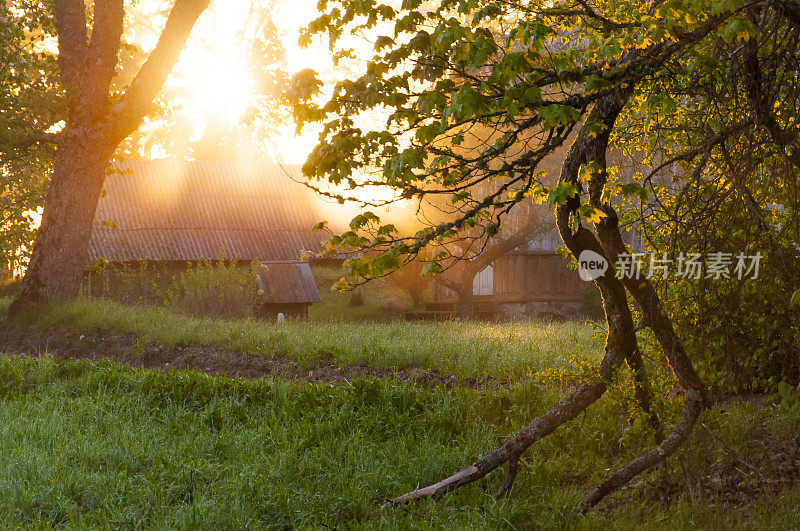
(536, 273)
(171, 213)
(286, 287)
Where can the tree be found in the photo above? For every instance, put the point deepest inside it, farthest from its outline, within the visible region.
(719, 179)
(541, 74)
(408, 279)
(97, 121)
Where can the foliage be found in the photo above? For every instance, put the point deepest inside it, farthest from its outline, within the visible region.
(705, 153)
(31, 101)
(720, 175)
(743, 332)
(213, 288)
(185, 288)
(361, 304)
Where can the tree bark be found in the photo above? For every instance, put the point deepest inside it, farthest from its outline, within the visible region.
(692, 410)
(465, 299)
(61, 247)
(618, 343)
(621, 341)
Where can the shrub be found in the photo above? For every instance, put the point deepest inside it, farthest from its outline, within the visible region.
(207, 288)
(356, 299)
(213, 289)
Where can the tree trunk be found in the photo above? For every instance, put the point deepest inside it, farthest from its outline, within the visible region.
(465, 301)
(621, 341)
(60, 250)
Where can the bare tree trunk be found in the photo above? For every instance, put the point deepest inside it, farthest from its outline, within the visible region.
(94, 127)
(465, 301)
(621, 342)
(692, 410)
(594, 150)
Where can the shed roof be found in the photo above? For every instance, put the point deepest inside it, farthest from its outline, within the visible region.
(550, 241)
(170, 210)
(547, 242)
(287, 282)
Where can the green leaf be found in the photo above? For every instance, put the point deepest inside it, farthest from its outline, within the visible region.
(795, 301)
(556, 114)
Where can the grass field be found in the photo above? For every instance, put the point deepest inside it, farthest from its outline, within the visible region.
(507, 350)
(96, 444)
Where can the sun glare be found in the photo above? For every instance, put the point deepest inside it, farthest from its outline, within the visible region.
(214, 83)
(215, 88)
(213, 79)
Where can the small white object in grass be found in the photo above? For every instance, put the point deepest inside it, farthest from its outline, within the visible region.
(281, 318)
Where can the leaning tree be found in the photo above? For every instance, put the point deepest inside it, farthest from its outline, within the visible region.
(588, 75)
(98, 119)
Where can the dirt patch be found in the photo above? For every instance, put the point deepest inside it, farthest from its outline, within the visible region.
(132, 350)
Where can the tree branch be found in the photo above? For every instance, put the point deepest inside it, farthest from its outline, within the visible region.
(129, 111)
(70, 22)
(101, 60)
(789, 10)
(692, 409)
(39, 137)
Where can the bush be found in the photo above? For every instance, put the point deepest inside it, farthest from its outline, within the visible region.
(140, 283)
(356, 299)
(213, 289)
(208, 288)
(743, 334)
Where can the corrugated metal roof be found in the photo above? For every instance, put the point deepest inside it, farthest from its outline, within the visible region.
(547, 242)
(193, 210)
(550, 241)
(286, 283)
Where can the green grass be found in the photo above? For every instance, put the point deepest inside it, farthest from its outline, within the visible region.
(95, 444)
(98, 445)
(508, 350)
(363, 303)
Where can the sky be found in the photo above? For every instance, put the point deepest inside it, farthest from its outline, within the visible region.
(213, 80)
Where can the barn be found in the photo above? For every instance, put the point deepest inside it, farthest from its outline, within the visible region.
(534, 280)
(287, 287)
(174, 212)
(531, 281)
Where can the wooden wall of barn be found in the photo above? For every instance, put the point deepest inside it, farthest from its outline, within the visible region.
(530, 277)
(535, 277)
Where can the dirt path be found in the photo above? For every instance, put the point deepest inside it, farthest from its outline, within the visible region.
(131, 350)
